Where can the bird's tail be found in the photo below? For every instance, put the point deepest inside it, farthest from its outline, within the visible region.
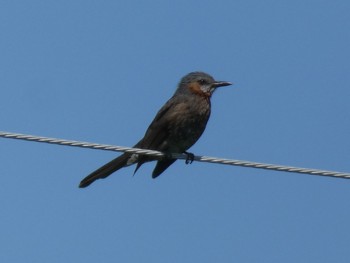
(105, 170)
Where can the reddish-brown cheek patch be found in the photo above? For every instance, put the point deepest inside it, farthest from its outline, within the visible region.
(196, 89)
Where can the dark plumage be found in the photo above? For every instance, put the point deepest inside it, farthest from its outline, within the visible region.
(176, 127)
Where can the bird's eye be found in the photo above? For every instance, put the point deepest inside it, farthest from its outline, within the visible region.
(202, 81)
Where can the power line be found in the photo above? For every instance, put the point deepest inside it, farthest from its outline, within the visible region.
(158, 154)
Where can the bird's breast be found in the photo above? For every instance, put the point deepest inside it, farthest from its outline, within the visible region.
(189, 124)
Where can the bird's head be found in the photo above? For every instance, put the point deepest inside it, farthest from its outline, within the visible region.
(200, 83)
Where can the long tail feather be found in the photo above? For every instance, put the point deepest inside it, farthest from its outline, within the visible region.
(105, 170)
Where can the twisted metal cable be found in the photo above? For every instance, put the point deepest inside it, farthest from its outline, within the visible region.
(158, 154)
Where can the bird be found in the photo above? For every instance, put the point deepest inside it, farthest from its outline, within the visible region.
(175, 128)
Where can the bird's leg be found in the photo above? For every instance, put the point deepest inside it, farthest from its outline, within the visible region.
(189, 158)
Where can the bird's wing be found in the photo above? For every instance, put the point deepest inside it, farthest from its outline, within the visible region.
(158, 131)
(162, 166)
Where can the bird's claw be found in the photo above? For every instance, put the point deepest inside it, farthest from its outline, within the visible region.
(189, 158)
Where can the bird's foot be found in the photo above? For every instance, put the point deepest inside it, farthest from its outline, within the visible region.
(189, 158)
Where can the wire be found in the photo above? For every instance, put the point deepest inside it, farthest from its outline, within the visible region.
(159, 155)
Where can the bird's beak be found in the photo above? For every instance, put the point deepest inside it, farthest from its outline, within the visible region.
(217, 84)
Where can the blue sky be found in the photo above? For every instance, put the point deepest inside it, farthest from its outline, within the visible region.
(99, 71)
